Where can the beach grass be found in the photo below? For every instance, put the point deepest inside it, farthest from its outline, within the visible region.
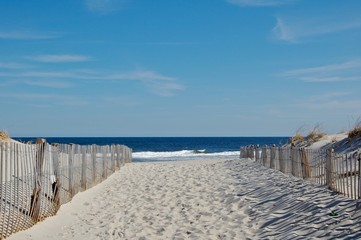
(4, 136)
(356, 130)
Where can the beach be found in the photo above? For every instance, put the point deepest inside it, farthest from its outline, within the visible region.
(202, 199)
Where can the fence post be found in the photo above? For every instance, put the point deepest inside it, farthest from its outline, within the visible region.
(35, 197)
(104, 172)
(118, 156)
(70, 169)
(257, 153)
(281, 159)
(292, 161)
(306, 170)
(272, 156)
(94, 161)
(264, 155)
(55, 186)
(359, 174)
(252, 152)
(112, 157)
(329, 168)
(83, 168)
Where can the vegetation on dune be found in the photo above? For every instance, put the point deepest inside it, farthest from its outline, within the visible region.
(298, 137)
(356, 130)
(315, 133)
(4, 136)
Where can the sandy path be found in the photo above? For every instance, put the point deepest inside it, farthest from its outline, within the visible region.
(213, 199)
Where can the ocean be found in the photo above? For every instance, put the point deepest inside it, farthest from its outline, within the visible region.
(147, 149)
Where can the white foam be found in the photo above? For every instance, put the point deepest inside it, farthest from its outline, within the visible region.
(183, 154)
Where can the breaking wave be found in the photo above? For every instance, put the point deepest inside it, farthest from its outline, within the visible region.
(181, 155)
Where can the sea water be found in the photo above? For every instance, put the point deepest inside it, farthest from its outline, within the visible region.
(146, 149)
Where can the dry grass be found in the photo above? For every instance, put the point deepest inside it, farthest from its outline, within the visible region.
(356, 130)
(297, 138)
(315, 133)
(315, 136)
(4, 136)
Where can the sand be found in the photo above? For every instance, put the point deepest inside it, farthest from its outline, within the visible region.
(203, 199)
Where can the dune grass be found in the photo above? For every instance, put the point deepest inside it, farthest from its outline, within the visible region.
(4, 136)
(356, 130)
(315, 133)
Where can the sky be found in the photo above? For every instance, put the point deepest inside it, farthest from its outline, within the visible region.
(129, 68)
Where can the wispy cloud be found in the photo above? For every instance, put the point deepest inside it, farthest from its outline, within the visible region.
(157, 83)
(121, 101)
(332, 105)
(48, 83)
(331, 101)
(165, 89)
(27, 35)
(260, 3)
(282, 32)
(346, 71)
(104, 6)
(296, 29)
(62, 58)
(330, 79)
(51, 99)
(172, 43)
(13, 65)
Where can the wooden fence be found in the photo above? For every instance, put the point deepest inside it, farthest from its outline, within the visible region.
(35, 179)
(340, 173)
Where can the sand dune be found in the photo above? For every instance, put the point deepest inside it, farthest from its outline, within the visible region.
(204, 199)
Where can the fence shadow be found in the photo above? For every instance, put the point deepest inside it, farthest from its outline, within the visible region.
(339, 172)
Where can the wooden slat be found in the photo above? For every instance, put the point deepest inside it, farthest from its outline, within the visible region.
(354, 160)
(36, 179)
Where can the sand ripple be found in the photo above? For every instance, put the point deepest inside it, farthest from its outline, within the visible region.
(205, 199)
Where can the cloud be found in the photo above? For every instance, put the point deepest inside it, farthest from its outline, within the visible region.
(121, 101)
(330, 79)
(172, 43)
(332, 105)
(164, 89)
(346, 71)
(282, 32)
(104, 6)
(157, 83)
(331, 101)
(27, 35)
(144, 75)
(13, 65)
(48, 83)
(295, 29)
(62, 58)
(49, 99)
(260, 3)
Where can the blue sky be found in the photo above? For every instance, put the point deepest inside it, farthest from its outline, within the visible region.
(179, 67)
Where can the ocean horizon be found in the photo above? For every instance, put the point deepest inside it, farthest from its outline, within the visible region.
(149, 149)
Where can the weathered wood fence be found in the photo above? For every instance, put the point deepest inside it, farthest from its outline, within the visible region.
(339, 172)
(35, 179)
